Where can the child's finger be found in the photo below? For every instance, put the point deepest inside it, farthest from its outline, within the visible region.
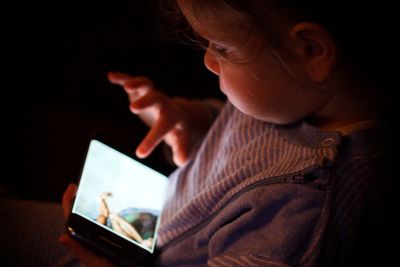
(178, 140)
(130, 82)
(135, 83)
(179, 154)
(118, 78)
(67, 198)
(156, 134)
(152, 98)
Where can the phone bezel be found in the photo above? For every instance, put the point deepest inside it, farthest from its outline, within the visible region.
(107, 243)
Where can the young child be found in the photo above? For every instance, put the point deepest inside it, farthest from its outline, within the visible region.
(294, 170)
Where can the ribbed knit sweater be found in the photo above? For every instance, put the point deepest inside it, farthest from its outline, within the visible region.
(259, 194)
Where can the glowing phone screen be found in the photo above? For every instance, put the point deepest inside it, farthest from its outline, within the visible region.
(121, 195)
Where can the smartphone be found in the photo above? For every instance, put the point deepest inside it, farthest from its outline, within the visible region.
(118, 204)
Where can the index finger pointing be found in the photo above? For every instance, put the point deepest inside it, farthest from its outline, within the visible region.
(157, 132)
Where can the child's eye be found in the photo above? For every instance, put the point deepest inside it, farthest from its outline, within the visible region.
(218, 49)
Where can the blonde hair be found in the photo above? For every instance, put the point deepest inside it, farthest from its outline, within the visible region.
(355, 27)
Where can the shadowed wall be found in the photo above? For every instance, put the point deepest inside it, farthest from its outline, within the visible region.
(58, 54)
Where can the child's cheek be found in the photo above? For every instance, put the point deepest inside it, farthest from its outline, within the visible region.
(231, 80)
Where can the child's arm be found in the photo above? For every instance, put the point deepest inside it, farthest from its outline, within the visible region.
(179, 122)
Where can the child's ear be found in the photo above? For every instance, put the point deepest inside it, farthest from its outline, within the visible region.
(316, 49)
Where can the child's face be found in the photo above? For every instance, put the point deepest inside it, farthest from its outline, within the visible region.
(262, 87)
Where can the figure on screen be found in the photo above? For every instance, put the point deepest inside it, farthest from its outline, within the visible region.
(138, 226)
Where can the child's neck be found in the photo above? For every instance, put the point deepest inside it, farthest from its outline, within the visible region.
(349, 110)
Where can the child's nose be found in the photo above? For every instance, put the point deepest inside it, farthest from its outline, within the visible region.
(211, 62)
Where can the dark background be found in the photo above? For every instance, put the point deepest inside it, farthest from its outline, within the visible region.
(55, 91)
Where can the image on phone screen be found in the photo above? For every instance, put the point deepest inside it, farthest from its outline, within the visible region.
(121, 195)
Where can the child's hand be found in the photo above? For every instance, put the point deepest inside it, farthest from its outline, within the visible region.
(87, 257)
(177, 121)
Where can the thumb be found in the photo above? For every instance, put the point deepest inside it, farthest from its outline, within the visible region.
(67, 198)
